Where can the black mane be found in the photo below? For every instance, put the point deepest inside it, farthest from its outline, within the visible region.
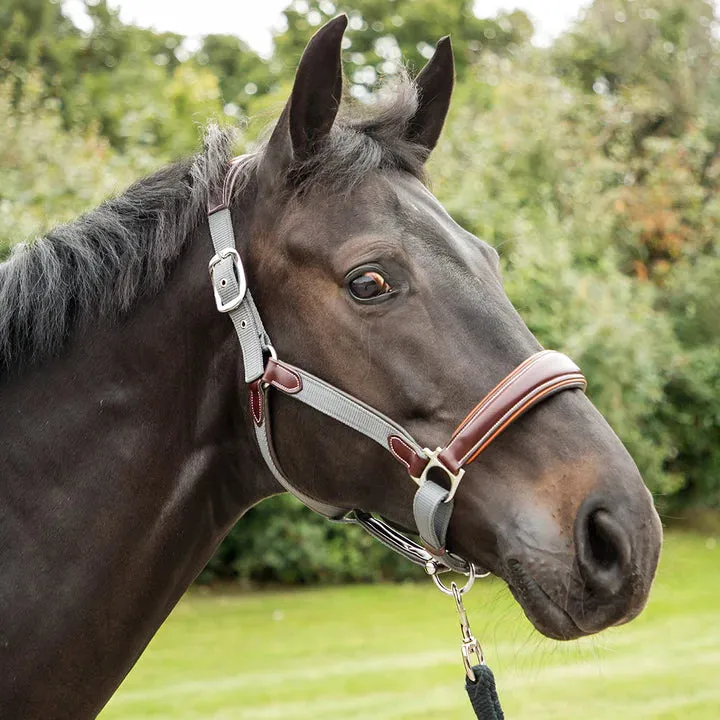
(100, 264)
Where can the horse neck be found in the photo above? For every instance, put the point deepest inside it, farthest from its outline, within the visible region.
(124, 463)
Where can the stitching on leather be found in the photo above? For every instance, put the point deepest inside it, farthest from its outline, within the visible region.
(493, 394)
(393, 439)
(500, 388)
(507, 419)
(518, 409)
(256, 406)
(252, 405)
(277, 383)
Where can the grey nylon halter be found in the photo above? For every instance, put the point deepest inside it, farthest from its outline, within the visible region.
(432, 508)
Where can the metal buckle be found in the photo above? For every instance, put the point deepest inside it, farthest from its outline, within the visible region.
(233, 303)
(435, 462)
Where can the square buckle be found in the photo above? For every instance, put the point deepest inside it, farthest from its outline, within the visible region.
(234, 302)
(435, 462)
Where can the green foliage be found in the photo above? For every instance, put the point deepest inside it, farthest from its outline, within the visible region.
(242, 74)
(281, 540)
(383, 33)
(593, 167)
(127, 82)
(693, 413)
(34, 35)
(49, 175)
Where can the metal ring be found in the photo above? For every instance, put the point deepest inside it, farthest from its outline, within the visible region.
(231, 304)
(433, 461)
(449, 591)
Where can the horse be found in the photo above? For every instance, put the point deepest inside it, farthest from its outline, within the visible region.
(129, 451)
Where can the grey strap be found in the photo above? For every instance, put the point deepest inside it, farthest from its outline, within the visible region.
(262, 435)
(229, 285)
(350, 411)
(233, 298)
(432, 513)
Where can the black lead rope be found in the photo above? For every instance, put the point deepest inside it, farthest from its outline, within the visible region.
(479, 679)
(483, 694)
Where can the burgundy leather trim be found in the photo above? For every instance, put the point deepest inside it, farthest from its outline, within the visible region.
(256, 402)
(280, 376)
(437, 552)
(406, 455)
(539, 377)
(214, 207)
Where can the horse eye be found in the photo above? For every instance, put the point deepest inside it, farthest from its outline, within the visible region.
(368, 285)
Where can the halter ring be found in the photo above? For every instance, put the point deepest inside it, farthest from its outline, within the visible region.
(449, 590)
(435, 462)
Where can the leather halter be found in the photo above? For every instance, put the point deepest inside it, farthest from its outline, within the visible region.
(539, 377)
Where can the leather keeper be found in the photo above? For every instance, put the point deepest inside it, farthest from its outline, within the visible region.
(257, 402)
(280, 376)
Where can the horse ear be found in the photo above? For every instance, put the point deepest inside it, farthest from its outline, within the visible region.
(314, 102)
(435, 85)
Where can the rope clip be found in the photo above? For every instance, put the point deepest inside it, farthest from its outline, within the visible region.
(470, 646)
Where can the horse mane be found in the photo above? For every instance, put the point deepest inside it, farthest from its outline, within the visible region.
(100, 264)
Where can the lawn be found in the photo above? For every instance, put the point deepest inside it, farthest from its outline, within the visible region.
(392, 652)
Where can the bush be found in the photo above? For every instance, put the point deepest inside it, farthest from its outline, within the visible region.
(49, 175)
(280, 540)
(692, 413)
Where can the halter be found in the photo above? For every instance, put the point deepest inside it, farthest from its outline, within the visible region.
(437, 472)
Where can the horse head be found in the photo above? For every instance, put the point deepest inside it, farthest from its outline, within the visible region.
(363, 279)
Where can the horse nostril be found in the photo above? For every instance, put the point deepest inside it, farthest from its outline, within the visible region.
(603, 551)
(600, 537)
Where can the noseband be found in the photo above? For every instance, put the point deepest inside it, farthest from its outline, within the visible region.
(437, 473)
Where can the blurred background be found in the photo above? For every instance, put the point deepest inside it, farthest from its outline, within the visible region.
(584, 144)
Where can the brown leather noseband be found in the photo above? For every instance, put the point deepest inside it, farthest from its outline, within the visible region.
(540, 376)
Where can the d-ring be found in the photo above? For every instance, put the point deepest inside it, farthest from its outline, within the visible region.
(448, 591)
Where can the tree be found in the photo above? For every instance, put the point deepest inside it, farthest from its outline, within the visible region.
(242, 73)
(382, 33)
(665, 50)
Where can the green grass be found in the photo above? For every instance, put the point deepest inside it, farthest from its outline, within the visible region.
(392, 652)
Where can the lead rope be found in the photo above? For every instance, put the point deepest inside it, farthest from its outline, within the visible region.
(479, 678)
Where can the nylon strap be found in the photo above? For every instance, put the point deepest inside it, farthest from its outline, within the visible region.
(264, 441)
(350, 411)
(227, 286)
(432, 514)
